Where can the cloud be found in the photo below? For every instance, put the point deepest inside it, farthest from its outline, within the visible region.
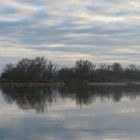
(102, 31)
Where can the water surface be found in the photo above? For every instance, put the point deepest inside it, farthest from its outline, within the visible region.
(70, 113)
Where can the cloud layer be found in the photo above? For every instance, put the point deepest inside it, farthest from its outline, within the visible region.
(101, 31)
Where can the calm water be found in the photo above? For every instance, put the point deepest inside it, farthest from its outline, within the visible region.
(70, 113)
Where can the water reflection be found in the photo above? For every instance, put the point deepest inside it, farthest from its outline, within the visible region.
(39, 98)
(29, 97)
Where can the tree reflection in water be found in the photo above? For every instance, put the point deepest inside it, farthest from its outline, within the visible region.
(38, 98)
(29, 97)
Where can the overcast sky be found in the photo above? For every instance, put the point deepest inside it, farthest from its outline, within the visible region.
(103, 31)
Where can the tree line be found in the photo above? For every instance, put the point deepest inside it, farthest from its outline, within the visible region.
(41, 69)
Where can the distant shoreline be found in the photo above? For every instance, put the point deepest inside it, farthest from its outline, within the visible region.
(31, 84)
(74, 84)
(113, 83)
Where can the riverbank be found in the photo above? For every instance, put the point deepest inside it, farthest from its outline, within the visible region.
(32, 84)
(74, 84)
(112, 83)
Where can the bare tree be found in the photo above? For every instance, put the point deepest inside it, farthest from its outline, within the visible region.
(84, 69)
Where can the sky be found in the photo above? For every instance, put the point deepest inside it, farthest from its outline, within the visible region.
(102, 31)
